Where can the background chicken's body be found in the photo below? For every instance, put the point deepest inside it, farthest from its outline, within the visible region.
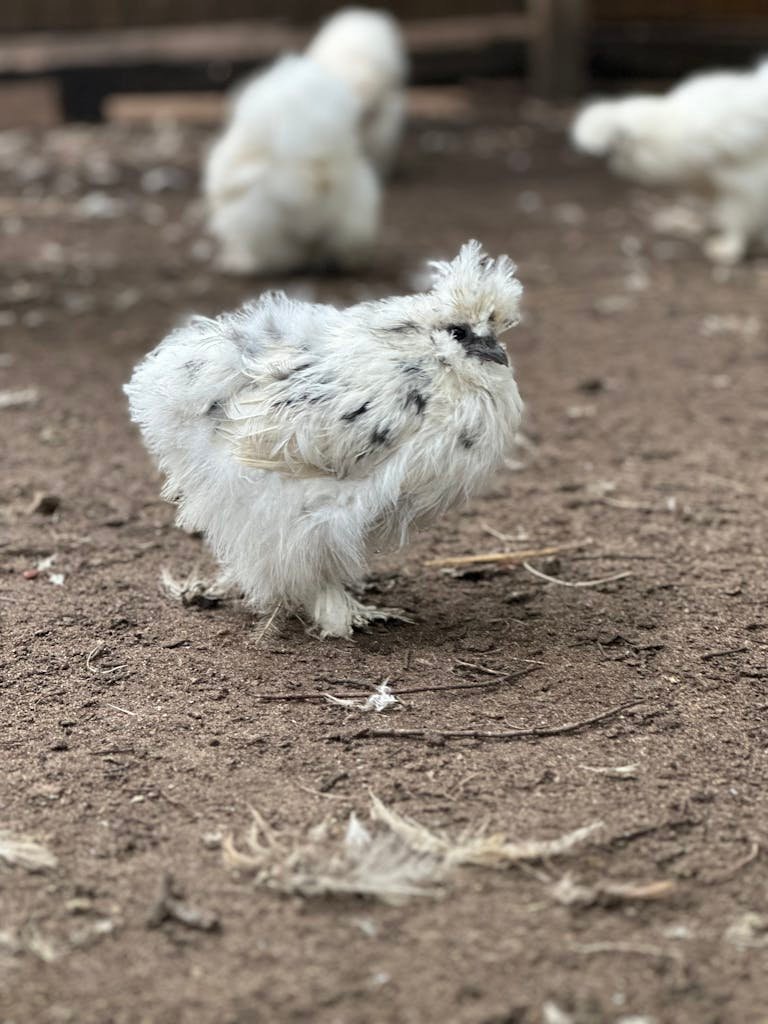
(709, 133)
(287, 184)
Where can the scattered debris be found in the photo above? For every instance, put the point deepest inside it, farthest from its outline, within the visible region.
(163, 179)
(551, 1013)
(170, 906)
(489, 851)
(628, 949)
(727, 652)
(612, 305)
(192, 590)
(17, 941)
(91, 933)
(678, 221)
(481, 734)
(748, 325)
(398, 860)
(380, 866)
(571, 893)
(578, 583)
(212, 840)
(734, 869)
(516, 557)
(44, 565)
(381, 699)
(750, 931)
(502, 679)
(22, 396)
(620, 771)
(581, 412)
(99, 206)
(570, 214)
(21, 851)
(44, 504)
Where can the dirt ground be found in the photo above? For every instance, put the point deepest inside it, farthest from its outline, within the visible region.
(133, 731)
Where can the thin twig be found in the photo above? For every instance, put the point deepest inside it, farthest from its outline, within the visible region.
(629, 505)
(725, 876)
(320, 793)
(479, 734)
(125, 711)
(578, 583)
(267, 625)
(710, 655)
(628, 948)
(503, 678)
(480, 668)
(619, 556)
(501, 556)
(98, 649)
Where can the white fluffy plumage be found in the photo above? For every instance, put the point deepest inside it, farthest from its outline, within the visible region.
(710, 132)
(300, 438)
(364, 48)
(287, 184)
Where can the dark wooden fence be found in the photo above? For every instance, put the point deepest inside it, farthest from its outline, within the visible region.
(30, 15)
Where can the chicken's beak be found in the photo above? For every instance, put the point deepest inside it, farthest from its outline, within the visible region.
(487, 349)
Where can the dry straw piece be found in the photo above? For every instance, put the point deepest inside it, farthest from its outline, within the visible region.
(395, 861)
(23, 852)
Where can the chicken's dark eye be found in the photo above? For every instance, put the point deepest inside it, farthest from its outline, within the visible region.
(459, 332)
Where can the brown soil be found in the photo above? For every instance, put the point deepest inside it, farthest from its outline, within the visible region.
(132, 727)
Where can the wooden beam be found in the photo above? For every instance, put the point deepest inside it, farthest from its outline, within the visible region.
(558, 52)
(51, 52)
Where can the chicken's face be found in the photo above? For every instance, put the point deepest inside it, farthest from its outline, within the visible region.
(473, 300)
(469, 341)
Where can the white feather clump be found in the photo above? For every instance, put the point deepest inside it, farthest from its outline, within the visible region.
(192, 589)
(398, 860)
(710, 131)
(382, 699)
(380, 867)
(490, 851)
(287, 184)
(364, 48)
(21, 851)
(300, 438)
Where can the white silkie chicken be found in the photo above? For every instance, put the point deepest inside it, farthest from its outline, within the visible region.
(710, 133)
(287, 185)
(300, 438)
(364, 48)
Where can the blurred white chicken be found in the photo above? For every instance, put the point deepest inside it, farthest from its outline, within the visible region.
(364, 48)
(300, 438)
(287, 185)
(710, 132)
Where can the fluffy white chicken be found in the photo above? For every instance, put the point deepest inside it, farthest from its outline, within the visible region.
(364, 49)
(287, 185)
(299, 438)
(710, 132)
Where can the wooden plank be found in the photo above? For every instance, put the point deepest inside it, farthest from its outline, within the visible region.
(27, 104)
(203, 108)
(439, 103)
(50, 52)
